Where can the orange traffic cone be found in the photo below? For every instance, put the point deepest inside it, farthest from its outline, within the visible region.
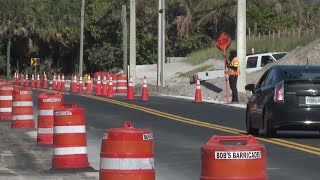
(198, 95)
(80, 85)
(45, 81)
(22, 80)
(74, 84)
(130, 91)
(58, 82)
(105, 86)
(98, 87)
(110, 88)
(27, 81)
(38, 81)
(15, 78)
(89, 85)
(54, 83)
(18, 78)
(32, 80)
(145, 96)
(63, 84)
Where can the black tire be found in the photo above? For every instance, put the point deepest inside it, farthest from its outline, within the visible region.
(269, 132)
(250, 129)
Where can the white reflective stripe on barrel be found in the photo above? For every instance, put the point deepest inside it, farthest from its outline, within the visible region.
(45, 112)
(5, 109)
(22, 117)
(22, 103)
(122, 81)
(70, 150)
(5, 97)
(45, 130)
(126, 163)
(6, 88)
(69, 129)
(121, 87)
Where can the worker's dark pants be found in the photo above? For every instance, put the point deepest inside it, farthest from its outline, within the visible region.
(233, 85)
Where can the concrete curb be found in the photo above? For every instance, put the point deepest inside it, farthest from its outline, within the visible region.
(207, 101)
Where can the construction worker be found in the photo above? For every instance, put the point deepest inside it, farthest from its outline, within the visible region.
(233, 72)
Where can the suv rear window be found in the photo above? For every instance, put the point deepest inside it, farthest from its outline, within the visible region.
(279, 56)
(301, 74)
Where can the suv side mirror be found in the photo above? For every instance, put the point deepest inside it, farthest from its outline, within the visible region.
(249, 87)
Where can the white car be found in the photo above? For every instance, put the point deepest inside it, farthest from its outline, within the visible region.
(257, 61)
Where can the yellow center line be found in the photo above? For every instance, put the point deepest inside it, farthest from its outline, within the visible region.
(296, 144)
(285, 143)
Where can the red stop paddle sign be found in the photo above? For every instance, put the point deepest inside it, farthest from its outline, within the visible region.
(223, 41)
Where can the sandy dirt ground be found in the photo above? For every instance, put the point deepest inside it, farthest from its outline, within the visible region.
(215, 89)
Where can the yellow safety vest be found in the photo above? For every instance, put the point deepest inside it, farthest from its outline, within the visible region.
(234, 63)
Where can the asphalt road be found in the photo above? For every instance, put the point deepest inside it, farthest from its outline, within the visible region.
(181, 127)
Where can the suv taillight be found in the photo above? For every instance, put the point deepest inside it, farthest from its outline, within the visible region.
(279, 92)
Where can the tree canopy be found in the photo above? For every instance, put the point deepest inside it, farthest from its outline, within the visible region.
(50, 29)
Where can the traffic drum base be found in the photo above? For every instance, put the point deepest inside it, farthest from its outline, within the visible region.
(70, 161)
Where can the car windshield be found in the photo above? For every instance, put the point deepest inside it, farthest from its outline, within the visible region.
(279, 56)
(301, 74)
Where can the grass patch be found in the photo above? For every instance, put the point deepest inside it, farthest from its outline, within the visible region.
(200, 69)
(260, 45)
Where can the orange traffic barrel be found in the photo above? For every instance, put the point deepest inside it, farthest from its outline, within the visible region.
(233, 157)
(47, 102)
(3, 81)
(6, 101)
(69, 138)
(22, 108)
(127, 153)
(114, 81)
(121, 83)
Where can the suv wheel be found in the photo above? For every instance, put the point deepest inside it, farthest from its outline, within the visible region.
(250, 129)
(269, 131)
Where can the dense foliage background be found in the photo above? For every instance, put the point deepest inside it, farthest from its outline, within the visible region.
(50, 29)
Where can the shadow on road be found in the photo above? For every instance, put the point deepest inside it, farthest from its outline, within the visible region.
(211, 87)
(299, 135)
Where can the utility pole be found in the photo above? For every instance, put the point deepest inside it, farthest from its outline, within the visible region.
(8, 59)
(81, 38)
(161, 44)
(125, 39)
(241, 45)
(133, 61)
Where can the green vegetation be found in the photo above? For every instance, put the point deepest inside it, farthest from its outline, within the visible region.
(50, 30)
(202, 55)
(284, 44)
